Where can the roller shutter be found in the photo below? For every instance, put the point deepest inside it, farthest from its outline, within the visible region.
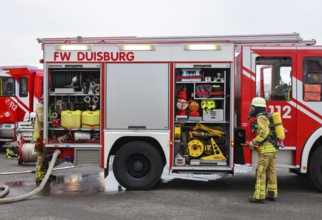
(137, 96)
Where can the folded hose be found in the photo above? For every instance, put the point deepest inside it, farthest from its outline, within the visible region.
(35, 191)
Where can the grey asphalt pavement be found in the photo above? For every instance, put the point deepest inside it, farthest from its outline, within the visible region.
(79, 193)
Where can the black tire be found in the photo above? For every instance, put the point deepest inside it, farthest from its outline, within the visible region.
(138, 165)
(315, 168)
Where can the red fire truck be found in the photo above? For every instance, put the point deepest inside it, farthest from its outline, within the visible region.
(20, 90)
(179, 105)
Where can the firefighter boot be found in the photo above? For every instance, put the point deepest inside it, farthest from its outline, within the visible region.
(40, 167)
(10, 153)
(254, 200)
(270, 196)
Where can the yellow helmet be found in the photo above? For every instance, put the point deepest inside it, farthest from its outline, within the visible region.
(259, 102)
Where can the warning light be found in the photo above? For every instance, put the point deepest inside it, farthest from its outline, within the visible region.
(202, 47)
(137, 47)
(73, 47)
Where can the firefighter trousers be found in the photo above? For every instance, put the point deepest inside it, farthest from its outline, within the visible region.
(41, 166)
(266, 168)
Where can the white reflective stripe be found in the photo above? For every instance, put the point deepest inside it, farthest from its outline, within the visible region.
(20, 105)
(247, 58)
(249, 75)
(5, 73)
(306, 112)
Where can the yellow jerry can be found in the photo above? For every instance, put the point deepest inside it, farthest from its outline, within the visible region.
(71, 119)
(91, 119)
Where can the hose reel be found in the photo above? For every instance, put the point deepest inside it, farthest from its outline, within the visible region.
(196, 148)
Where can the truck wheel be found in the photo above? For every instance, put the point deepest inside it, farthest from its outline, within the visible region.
(137, 165)
(315, 168)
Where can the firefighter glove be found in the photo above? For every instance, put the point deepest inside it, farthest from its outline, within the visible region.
(251, 145)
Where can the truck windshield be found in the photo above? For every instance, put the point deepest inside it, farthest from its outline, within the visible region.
(7, 86)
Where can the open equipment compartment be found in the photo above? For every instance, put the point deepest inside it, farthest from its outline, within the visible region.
(202, 124)
(74, 106)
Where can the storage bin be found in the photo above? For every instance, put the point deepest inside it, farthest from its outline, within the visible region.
(71, 119)
(213, 115)
(91, 119)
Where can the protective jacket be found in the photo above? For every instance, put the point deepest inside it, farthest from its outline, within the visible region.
(263, 133)
(39, 121)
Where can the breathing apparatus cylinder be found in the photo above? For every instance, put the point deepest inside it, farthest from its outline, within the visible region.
(278, 126)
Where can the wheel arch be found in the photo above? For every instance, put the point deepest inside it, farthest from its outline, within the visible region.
(123, 140)
(313, 142)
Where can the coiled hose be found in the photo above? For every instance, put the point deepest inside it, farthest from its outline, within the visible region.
(35, 191)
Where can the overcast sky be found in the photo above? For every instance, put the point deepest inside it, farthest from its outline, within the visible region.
(23, 21)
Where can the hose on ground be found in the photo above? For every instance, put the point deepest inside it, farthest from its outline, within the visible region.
(35, 191)
(34, 171)
(5, 190)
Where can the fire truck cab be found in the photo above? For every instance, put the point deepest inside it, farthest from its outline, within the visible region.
(179, 105)
(20, 90)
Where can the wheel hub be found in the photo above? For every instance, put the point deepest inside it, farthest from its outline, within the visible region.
(137, 165)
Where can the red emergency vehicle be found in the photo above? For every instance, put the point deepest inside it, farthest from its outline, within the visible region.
(20, 90)
(179, 105)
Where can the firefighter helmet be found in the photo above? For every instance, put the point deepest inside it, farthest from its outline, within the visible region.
(259, 102)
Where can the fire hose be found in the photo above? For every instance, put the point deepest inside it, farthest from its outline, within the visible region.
(35, 191)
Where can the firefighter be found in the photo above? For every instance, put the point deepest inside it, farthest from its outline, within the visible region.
(263, 143)
(41, 167)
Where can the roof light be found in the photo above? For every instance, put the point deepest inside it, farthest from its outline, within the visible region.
(202, 47)
(137, 47)
(74, 47)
